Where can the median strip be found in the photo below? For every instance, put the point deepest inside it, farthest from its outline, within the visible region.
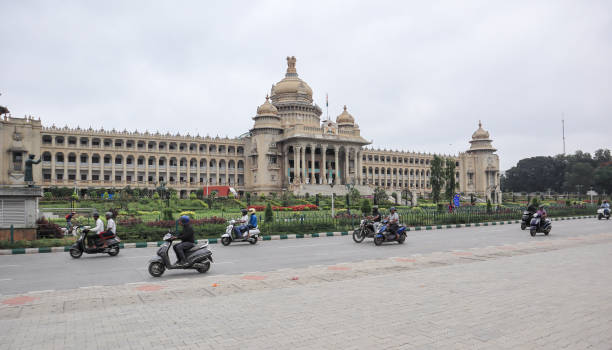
(15, 251)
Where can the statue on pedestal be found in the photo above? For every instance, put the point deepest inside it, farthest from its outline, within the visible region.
(28, 175)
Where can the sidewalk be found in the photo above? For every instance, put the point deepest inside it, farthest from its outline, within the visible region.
(538, 294)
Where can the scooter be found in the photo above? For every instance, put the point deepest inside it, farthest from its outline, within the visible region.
(383, 236)
(526, 219)
(603, 213)
(109, 245)
(198, 258)
(537, 225)
(367, 229)
(250, 236)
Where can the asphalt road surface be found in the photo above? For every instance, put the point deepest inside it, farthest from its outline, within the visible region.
(56, 271)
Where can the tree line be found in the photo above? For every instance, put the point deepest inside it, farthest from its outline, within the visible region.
(443, 176)
(572, 173)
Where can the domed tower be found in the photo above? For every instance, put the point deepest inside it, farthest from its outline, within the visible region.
(480, 167)
(293, 98)
(345, 120)
(264, 158)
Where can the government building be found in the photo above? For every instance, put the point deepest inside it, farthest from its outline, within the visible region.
(289, 148)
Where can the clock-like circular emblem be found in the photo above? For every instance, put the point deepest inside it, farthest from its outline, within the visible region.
(490, 160)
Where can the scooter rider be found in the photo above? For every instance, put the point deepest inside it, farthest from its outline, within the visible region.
(606, 206)
(92, 235)
(111, 228)
(187, 238)
(243, 220)
(542, 213)
(393, 223)
(252, 220)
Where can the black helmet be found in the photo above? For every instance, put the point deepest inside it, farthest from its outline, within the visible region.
(95, 214)
(244, 211)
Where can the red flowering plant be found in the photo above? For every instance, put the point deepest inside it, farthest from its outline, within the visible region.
(195, 222)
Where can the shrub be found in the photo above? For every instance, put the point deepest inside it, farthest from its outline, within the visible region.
(366, 208)
(167, 214)
(193, 196)
(156, 196)
(191, 214)
(269, 216)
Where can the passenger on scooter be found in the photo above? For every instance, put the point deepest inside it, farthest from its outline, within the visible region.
(111, 229)
(187, 238)
(532, 208)
(542, 213)
(393, 222)
(92, 234)
(243, 220)
(252, 221)
(606, 206)
(375, 218)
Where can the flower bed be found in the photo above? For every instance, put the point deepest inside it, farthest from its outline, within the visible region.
(301, 207)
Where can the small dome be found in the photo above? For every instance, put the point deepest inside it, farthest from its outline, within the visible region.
(480, 134)
(267, 108)
(291, 84)
(345, 118)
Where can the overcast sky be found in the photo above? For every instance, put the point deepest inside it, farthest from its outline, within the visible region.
(415, 75)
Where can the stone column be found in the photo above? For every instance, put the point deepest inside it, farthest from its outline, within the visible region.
(323, 166)
(312, 165)
(286, 164)
(346, 165)
(337, 180)
(199, 172)
(124, 161)
(297, 150)
(304, 165)
(53, 165)
(89, 169)
(112, 167)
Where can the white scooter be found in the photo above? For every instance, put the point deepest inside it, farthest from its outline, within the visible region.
(250, 236)
(603, 213)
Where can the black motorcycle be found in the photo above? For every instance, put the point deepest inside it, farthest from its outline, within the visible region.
(366, 229)
(539, 225)
(198, 258)
(526, 219)
(108, 245)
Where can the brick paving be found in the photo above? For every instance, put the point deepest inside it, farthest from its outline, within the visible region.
(539, 294)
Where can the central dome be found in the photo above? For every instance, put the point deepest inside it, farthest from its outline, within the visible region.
(291, 84)
(480, 133)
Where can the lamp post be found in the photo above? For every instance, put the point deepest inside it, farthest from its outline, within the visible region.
(331, 184)
(349, 188)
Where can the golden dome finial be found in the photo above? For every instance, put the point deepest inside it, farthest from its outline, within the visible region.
(479, 124)
(267, 97)
(345, 107)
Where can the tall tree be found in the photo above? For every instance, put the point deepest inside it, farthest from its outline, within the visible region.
(437, 178)
(450, 179)
(603, 179)
(380, 196)
(579, 177)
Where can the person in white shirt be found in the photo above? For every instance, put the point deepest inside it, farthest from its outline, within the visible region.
(110, 223)
(93, 233)
(243, 220)
(393, 223)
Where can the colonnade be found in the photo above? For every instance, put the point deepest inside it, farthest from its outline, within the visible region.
(321, 170)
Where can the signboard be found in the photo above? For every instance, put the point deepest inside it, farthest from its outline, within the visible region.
(457, 200)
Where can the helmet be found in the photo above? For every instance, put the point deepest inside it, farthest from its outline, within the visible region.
(541, 206)
(244, 211)
(108, 214)
(95, 214)
(73, 212)
(392, 209)
(252, 210)
(184, 219)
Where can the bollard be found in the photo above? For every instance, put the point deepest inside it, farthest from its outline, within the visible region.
(12, 231)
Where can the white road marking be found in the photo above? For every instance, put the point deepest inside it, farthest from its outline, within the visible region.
(137, 257)
(5, 279)
(306, 245)
(223, 262)
(9, 266)
(42, 291)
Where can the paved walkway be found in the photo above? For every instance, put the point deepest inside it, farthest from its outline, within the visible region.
(538, 294)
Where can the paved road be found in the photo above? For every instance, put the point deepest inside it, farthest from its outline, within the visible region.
(56, 271)
(535, 294)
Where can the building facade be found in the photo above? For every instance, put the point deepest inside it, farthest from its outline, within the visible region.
(289, 148)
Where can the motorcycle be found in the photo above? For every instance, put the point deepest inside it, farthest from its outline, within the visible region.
(603, 213)
(109, 245)
(367, 228)
(526, 219)
(383, 236)
(250, 236)
(198, 258)
(537, 225)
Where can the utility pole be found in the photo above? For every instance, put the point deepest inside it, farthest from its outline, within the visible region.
(563, 130)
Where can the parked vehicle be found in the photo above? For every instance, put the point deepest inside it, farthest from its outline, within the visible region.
(383, 236)
(539, 225)
(603, 213)
(198, 258)
(109, 246)
(526, 219)
(367, 228)
(229, 236)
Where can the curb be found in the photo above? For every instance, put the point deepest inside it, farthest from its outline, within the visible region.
(15, 251)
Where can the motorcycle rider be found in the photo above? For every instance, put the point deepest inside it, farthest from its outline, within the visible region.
(375, 218)
(542, 213)
(92, 234)
(111, 228)
(187, 238)
(606, 206)
(393, 222)
(252, 220)
(244, 219)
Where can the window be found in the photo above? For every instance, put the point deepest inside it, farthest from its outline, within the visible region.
(83, 177)
(71, 176)
(95, 177)
(18, 161)
(13, 212)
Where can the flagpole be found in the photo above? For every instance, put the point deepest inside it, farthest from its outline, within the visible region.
(327, 104)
